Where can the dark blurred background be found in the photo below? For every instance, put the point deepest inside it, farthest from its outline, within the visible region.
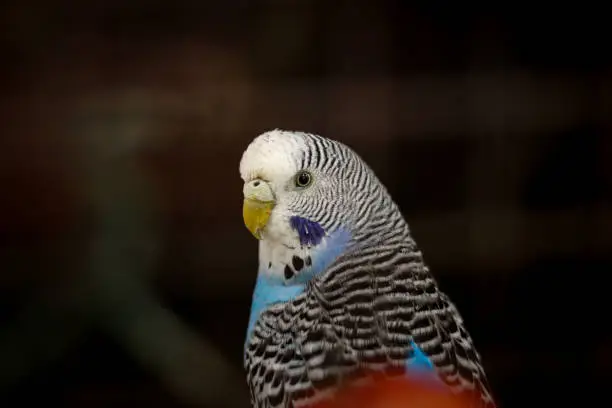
(126, 271)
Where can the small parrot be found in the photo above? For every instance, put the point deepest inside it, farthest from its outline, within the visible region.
(342, 294)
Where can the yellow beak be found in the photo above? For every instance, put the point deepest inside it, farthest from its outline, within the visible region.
(258, 203)
(256, 214)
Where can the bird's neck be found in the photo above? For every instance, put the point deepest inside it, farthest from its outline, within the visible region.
(284, 271)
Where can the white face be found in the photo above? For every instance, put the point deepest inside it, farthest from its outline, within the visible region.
(271, 168)
(273, 156)
(337, 198)
(275, 159)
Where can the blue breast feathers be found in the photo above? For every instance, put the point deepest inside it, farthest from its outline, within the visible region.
(271, 288)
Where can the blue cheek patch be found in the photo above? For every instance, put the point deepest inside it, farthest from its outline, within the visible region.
(310, 232)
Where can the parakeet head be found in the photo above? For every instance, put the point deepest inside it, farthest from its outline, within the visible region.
(302, 190)
(300, 187)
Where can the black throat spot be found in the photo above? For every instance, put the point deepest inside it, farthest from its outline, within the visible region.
(288, 272)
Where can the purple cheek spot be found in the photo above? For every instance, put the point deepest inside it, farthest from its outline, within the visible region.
(310, 232)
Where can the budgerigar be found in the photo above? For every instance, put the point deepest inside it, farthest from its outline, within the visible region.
(342, 290)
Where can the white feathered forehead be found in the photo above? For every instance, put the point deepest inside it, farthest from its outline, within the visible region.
(272, 154)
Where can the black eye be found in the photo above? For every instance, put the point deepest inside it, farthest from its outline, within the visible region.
(303, 179)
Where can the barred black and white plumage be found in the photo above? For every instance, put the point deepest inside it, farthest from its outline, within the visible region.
(345, 314)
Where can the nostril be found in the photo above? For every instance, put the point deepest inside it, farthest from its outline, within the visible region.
(255, 184)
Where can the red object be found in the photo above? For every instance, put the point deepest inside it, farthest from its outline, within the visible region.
(396, 394)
